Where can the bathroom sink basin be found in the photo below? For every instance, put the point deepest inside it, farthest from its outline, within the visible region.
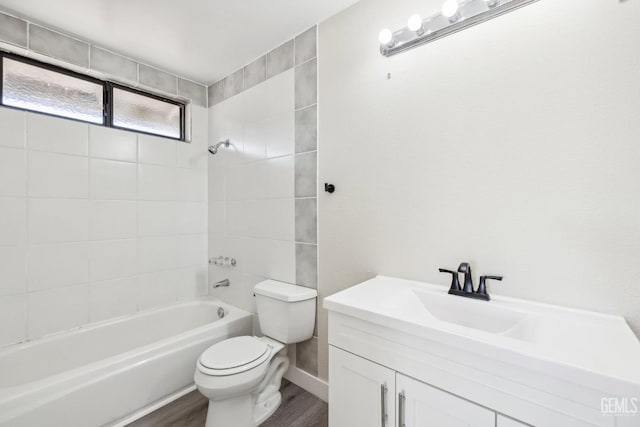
(470, 313)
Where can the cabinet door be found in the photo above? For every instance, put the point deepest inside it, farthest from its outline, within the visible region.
(509, 422)
(361, 393)
(421, 405)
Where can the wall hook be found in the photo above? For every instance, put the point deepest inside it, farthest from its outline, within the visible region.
(329, 188)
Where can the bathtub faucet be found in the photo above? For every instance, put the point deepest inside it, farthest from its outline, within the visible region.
(222, 284)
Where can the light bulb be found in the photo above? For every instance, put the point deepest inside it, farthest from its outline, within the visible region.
(491, 3)
(450, 10)
(415, 24)
(386, 37)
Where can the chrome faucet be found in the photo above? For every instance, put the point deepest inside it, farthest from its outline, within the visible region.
(222, 284)
(467, 290)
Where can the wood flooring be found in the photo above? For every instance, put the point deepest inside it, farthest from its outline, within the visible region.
(299, 408)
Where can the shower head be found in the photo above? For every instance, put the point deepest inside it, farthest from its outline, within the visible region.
(213, 149)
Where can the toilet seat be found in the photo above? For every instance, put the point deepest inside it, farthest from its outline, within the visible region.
(234, 356)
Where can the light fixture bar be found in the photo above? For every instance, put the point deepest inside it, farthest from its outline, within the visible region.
(470, 12)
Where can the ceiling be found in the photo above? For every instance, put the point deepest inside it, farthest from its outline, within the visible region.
(203, 40)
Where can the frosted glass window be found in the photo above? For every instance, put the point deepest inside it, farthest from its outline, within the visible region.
(39, 89)
(142, 113)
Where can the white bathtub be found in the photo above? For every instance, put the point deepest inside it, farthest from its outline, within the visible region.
(113, 372)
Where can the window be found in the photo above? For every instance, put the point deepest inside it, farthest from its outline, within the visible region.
(31, 85)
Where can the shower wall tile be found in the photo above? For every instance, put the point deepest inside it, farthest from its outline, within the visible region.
(307, 129)
(13, 172)
(75, 258)
(113, 144)
(113, 64)
(307, 265)
(13, 30)
(13, 221)
(13, 318)
(90, 238)
(194, 91)
(307, 356)
(306, 84)
(255, 73)
(58, 265)
(233, 84)
(113, 180)
(58, 175)
(113, 298)
(306, 174)
(216, 93)
(156, 182)
(13, 270)
(113, 219)
(153, 150)
(280, 59)
(56, 135)
(58, 220)
(13, 124)
(57, 309)
(306, 46)
(112, 259)
(156, 218)
(58, 46)
(262, 206)
(157, 79)
(306, 220)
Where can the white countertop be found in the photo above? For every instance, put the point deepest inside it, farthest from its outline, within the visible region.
(587, 347)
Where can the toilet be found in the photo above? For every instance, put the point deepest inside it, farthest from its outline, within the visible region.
(241, 375)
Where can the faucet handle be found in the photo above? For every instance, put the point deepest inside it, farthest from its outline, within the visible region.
(482, 287)
(455, 283)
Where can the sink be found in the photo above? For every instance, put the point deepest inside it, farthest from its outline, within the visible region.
(481, 315)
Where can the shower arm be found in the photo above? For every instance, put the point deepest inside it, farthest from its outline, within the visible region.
(213, 149)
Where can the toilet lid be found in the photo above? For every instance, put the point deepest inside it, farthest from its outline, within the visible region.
(233, 353)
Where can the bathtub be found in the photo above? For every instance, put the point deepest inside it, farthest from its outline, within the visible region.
(113, 372)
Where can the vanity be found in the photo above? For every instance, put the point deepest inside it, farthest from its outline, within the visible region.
(407, 354)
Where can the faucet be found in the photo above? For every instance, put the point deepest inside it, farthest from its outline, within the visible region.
(467, 290)
(222, 284)
(468, 279)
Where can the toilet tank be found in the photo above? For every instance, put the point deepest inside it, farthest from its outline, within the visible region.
(287, 313)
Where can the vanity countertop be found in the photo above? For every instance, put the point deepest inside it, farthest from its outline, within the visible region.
(589, 348)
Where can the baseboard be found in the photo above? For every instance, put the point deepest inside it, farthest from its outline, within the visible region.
(305, 380)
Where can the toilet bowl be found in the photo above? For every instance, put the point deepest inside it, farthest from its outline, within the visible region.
(241, 376)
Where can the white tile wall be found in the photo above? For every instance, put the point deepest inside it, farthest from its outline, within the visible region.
(13, 172)
(58, 175)
(112, 144)
(96, 223)
(52, 134)
(251, 189)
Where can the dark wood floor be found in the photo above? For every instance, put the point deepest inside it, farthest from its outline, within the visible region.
(299, 408)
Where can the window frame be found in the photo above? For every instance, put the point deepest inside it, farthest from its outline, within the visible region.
(107, 96)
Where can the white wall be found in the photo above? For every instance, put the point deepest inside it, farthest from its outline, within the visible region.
(251, 188)
(513, 145)
(96, 223)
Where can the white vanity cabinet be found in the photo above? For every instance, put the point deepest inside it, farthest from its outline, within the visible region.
(363, 393)
(421, 405)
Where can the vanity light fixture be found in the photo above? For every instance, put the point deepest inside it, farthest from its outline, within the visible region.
(386, 38)
(416, 24)
(451, 10)
(456, 15)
